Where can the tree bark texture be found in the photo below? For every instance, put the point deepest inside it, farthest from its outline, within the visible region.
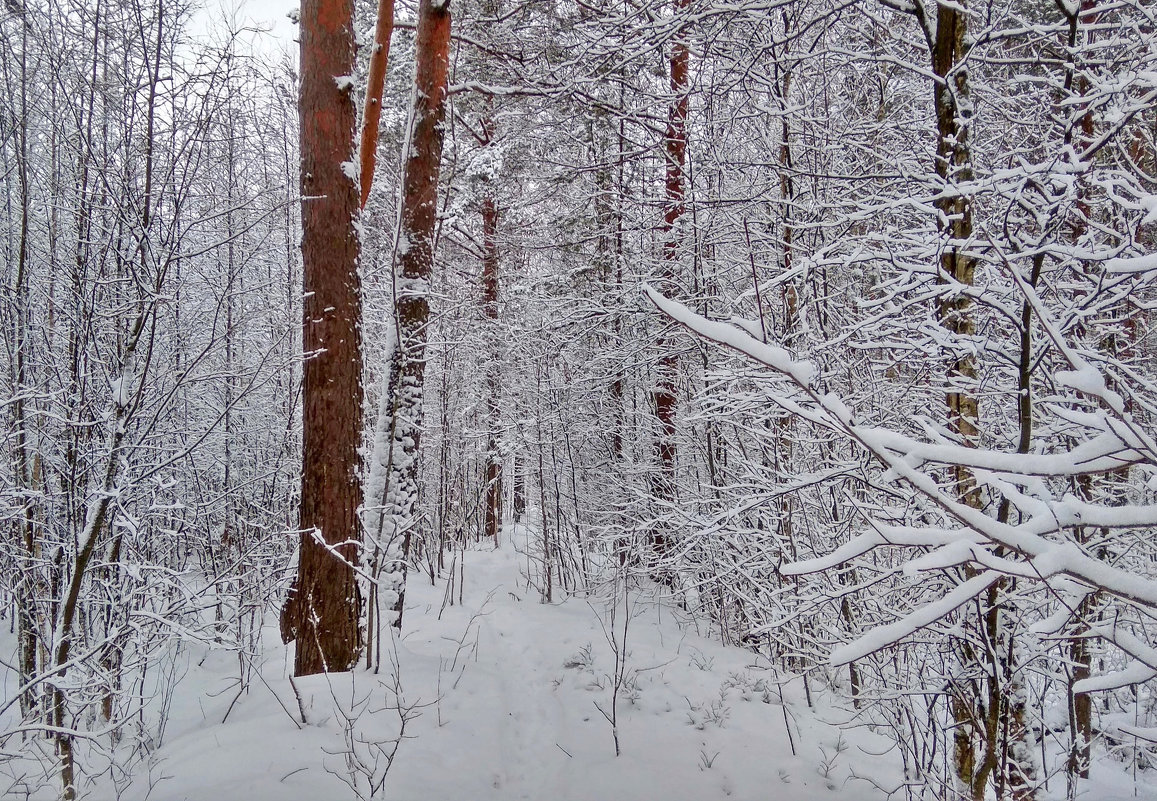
(1080, 652)
(990, 736)
(493, 380)
(953, 106)
(946, 33)
(667, 372)
(490, 266)
(323, 610)
(375, 86)
(419, 217)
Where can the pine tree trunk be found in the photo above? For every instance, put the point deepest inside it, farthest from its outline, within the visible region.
(375, 88)
(322, 612)
(490, 265)
(667, 371)
(401, 421)
(492, 518)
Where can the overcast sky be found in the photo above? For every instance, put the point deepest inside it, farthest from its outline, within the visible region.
(271, 15)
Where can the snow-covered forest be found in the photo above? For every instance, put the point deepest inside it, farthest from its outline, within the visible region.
(579, 399)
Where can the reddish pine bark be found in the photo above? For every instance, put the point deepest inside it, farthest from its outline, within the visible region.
(375, 86)
(415, 265)
(493, 521)
(490, 265)
(323, 610)
(665, 394)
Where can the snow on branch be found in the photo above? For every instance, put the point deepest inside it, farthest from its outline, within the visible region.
(883, 636)
(978, 536)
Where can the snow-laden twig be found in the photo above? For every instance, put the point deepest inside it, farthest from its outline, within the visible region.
(978, 535)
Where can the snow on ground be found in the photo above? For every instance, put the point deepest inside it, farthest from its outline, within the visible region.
(508, 694)
(503, 697)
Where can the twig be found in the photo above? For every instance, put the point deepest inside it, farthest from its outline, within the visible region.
(282, 703)
(300, 703)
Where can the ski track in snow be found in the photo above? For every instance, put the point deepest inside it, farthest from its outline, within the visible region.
(525, 704)
(509, 682)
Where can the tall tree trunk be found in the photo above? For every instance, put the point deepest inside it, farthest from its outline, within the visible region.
(399, 429)
(988, 735)
(946, 34)
(490, 265)
(1080, 656)
(492, 520)
(954, 166)
(22, 458)
(375, 87)
(946, 30)
(518, 491)
(667, 372)
(322, 612)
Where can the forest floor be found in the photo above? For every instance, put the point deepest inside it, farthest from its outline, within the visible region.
(505, 699)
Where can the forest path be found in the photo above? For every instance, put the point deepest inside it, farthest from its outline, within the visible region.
(507, 693)
(503, 682)
(697, 720)
(526, 696)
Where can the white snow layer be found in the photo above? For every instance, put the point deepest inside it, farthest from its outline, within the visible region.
(508, 693)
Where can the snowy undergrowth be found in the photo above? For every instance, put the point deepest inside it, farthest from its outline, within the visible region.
(503, 697)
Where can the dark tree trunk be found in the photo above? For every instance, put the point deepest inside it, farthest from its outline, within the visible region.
(667, 373)
(492, 522)
(989, 739)
(1080, 704)
(518, 493)
(490, 265)
(323, 611)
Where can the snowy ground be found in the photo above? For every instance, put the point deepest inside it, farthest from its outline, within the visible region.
(504, 697)
(509, 693)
